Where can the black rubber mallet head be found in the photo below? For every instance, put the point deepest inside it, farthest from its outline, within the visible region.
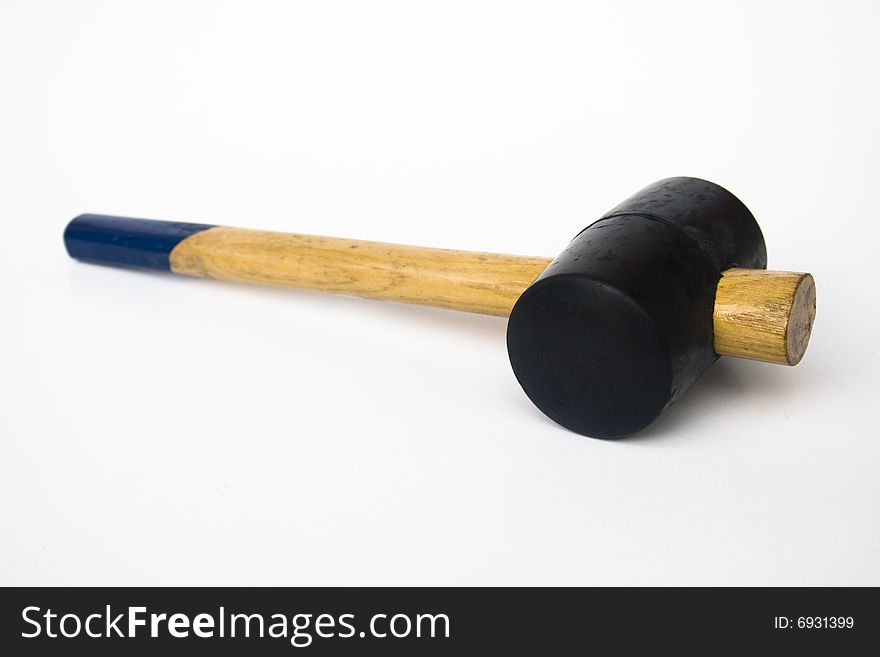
(602, 338)
(620, 324)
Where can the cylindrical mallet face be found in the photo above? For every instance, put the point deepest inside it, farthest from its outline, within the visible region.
(620, 323)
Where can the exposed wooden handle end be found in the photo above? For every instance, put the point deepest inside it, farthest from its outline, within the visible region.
(764, 315)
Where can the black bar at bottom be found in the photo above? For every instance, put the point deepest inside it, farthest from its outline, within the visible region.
(428, 621)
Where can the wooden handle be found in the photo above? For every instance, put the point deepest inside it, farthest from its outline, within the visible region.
(486, 283)
(759, 314)
(764, 315)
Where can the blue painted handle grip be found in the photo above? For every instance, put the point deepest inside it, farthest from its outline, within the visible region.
(124, 242)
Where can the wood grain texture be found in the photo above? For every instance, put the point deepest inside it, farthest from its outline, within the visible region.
(764, 315)
(484, 283)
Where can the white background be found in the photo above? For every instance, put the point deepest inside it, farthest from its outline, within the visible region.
(161, 430)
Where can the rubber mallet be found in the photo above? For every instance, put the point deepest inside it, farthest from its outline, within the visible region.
(602, 338)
